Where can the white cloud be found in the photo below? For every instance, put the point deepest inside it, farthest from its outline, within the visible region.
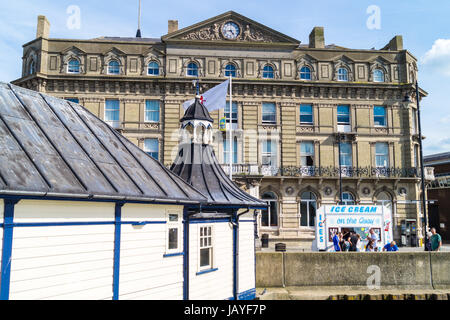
(439, 56)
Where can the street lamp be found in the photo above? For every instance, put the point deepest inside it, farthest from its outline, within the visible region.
(407, 99)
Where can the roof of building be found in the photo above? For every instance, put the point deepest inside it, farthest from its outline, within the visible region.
(197, 164)
(50, 147)
(443, 157)
(196, 111)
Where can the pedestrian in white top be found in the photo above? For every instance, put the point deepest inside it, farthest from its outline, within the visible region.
(374, 237)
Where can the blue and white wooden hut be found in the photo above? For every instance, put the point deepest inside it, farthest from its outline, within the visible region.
(220, 256)
(85, 214)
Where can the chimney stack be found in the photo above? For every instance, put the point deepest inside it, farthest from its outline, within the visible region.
(43, 28)
(317, 38)
(173, 26)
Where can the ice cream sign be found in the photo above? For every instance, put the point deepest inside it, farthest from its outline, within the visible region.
(333, 218)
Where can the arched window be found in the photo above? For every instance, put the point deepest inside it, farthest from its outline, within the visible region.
(269, 217)
(347, 199)
(305, 73)
(268, 72)
(32, 67)
(342, 74)
(308, 207)
(153, 69)
(113, 67)
(73, 66)
(192, 69)
(384, 199)
(378, 75)
(230, 70)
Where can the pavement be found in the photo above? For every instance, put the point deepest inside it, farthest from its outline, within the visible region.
(444, 248)
(348, 293)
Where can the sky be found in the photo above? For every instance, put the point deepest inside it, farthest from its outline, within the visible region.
(356, 24)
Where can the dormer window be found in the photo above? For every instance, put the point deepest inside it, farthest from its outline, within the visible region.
(378, 75)
(73, 66)
(230, 70)
(192, 70)
(153, 69)
(113, 67)
(305, 73)
(268, 72)
(342, 74)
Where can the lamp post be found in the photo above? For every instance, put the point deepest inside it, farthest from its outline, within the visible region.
(422, 171)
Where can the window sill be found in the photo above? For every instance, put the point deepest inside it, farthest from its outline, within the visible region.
(206, 271)
(173, 254)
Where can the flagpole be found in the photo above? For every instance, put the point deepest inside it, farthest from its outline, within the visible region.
(231, 130)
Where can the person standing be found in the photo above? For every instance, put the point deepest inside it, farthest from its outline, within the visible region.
(347, 244)
(374, 237)
(436, 240)
(353, 241)
(336, 239)
(358, 242)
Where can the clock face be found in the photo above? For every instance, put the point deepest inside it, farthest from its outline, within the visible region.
(230, 30)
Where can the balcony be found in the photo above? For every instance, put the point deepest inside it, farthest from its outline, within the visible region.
(326, 172)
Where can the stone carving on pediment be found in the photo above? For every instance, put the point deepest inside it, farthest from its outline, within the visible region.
(213, 32)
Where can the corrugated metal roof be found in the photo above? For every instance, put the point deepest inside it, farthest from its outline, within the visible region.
(52, 147)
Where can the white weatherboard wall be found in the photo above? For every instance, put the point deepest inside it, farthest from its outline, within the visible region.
(216, 285)
(144, 272)
(246, 254)
(62, 262)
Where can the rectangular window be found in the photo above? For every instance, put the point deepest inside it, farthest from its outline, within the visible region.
(173, 233)
(306, 114)
(269, 114)
(269, 154)
(112, 112)
(379, 116)
(226, 150)
(151, 111)
(307, 154)
(206, 248)
(382, 154)
(343, 115)
(151, 147)
(414, 121)
(346, 154)
(234, 112)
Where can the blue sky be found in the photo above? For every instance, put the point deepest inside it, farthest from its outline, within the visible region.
(423, 24)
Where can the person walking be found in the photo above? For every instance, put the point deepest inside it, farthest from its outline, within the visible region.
(374, 237)
(369, 246)
(436, 240)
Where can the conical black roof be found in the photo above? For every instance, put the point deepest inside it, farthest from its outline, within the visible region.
(197, 165)
(197, 111)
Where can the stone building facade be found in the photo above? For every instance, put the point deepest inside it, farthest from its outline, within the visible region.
(301, 111)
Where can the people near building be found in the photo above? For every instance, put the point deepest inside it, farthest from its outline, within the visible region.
(336, 241)
(369, 246)
(353, 241)
(358, 242)
(435, 240)
(347, 244)
(374, 237)
(390, 246)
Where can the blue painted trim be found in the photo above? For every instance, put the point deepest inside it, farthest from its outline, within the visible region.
(173, 254)
(83, 223)
(247, 295)
(235, 255)
(117, 233)
(208, 221)
(207, 271)
(186, 254)
(90, 198)
(7, 248)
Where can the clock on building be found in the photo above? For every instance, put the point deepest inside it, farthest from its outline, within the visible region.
(230, 30)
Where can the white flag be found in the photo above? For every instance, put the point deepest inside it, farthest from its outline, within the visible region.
(213, 99)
